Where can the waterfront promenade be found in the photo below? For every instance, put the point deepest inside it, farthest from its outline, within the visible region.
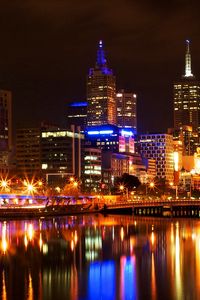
(139, 207)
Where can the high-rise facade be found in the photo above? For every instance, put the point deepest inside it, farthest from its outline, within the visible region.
(187, 98)
(126, 110)
(28, 152)
(77, 114)
(101, 92)
(160, 148)
(61, 154)
(5, 129)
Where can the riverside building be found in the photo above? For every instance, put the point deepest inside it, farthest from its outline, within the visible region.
(160, 148)
(101, 92)
(187, 98)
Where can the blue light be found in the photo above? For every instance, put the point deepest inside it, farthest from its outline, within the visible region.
(78, 104)
(95, 132)
(125, 132)
(130, 291)
(106, 131)
(101, 276)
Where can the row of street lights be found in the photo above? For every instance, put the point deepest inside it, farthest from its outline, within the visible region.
(31, 186)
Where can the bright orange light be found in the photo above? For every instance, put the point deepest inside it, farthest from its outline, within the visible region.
(122, 233)
(151, 184)
(72, 245)
(4, 183)
(71, 179)
(30, 232)
(176, 161)
(40, 183)
(4, 244)
(121, 187)
(58, 189)
(30, 187)
(75, 237)
(75, 184)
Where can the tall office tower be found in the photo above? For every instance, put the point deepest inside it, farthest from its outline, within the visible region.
(101, 92)
(187, 98)
(5, 129)
(28, 152)
(126, 110)
(77, 114)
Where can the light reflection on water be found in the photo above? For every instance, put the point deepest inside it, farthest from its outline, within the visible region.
(97, 257)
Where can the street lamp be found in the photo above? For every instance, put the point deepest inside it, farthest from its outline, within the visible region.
(122, 188)
(151, 185)
(75, 184)
(71, 179)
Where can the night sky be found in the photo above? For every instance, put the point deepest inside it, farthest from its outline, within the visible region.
(48, 46)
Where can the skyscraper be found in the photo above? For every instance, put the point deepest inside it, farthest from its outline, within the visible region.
(126, 110)
(101, 92)
(77, 114)
(5, 130)
(187, 98)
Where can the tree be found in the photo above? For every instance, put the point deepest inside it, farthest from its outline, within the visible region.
(129, 181)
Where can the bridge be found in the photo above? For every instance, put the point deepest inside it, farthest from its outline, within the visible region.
(158, 207)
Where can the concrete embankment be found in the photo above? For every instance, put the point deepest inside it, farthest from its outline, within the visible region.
(37, 212)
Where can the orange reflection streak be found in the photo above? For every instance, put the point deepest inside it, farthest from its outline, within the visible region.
(30, 232)
(74, 283)
(72, 245)
(30, 287)
(178, 281)
(122, 233)
(4, 293)
(4, 243)
(152, 239)
(197, 264)
(40, 242)
(75, 237)
(25, 241)
(153, 276)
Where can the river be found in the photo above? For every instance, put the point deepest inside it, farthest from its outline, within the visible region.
(92, 257)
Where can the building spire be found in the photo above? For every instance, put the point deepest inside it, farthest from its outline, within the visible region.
(101, 60)
(188, 69)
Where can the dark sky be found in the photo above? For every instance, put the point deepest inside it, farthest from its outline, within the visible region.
(48, 46)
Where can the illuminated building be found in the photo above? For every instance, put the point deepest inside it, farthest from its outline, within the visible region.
(118, 151)
(77, 114)
(126, 110)
(92, 169)
(185, 139)
(101, 94)
(28, 152)
(61, 153)
(160, 148)
(110, 138)
(116, 164)
(5, 130)
(187, 98)
(150, 165)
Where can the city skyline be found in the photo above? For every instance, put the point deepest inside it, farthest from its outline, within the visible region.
(49, 47)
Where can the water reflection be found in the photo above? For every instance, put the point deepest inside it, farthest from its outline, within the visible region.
(97, 257)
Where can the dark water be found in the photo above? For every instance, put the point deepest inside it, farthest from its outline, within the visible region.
(96, 257)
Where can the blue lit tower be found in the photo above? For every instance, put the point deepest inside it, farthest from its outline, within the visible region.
(187, 98)
(101, 92)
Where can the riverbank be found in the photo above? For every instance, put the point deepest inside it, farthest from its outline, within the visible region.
(39, 211)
